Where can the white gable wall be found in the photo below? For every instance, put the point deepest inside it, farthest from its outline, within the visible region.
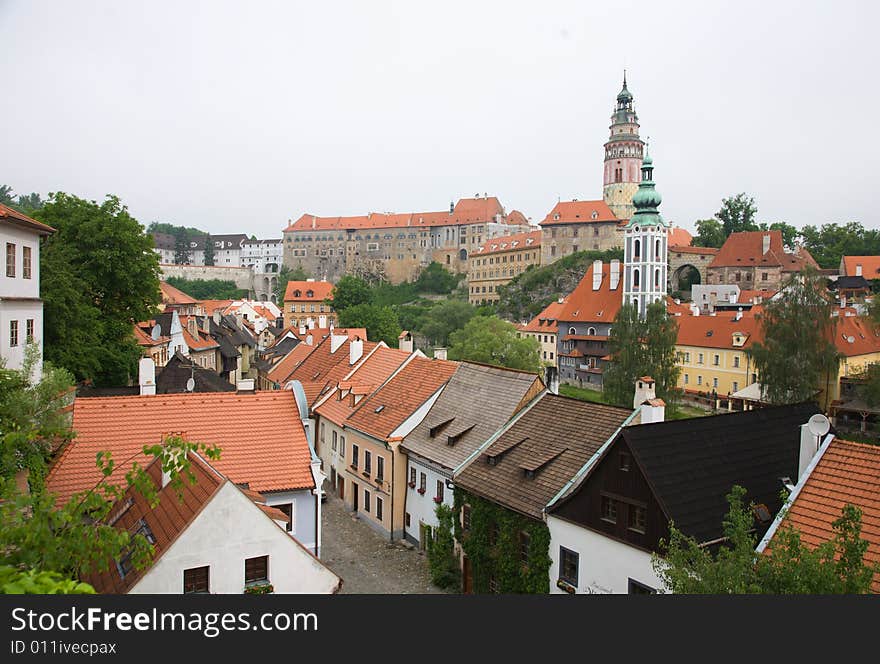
(230, 529)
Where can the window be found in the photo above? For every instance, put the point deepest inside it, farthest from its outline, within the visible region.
(333, 440)
(716, 360)
(423, 483)
(568, 566)
(735, 386)
(368, 459)
(366, 501)
(256, 570)
(609, 510)
(699, 358)
(699, 380)
(439, 495)
(636, 588)
(625, 460)
(715, 383)
(466, 518)
(412, 476)
(287, 508)
(342, 445)
(195, 580)
(10, 259)
(407, 520)
(379, 508)
(736, 360)
(380, 468)
(524, 542)
(29, 330)
(26, 262)
(13, 333)
(763, 276)
(638, 518)
(687, 357)
(354, 456)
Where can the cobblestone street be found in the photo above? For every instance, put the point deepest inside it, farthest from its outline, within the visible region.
(367, 562)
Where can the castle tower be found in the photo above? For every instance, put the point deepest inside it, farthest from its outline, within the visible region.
(644, 248)
(623, 156)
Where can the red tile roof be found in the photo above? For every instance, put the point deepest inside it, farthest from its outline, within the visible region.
(847, 473)
(717, 331)
(577, 212)
(706, 251)
(517, 218)
(510, 243)
(870, 266)
(320, 291)
(260, 434)
(281, 371)
(547, 320)
(9, 215)
(679, 237)
(175, 296)
(854, 336)
(211, 306)
(387, 408)
(746, 249)
(588, 305)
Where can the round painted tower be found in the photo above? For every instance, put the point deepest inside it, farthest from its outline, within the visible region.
(623, 157)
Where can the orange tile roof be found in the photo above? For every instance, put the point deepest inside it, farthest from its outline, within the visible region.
(847, 473)
(548, 319)
(145, 339)
(707, 251)
(388, 407)
(510, 243)
(750, 295)
(854, 336)
(717, 331)
(172, 295)
(320, 291)
(13, 216)
(211, 306)
(746, 249)
(679, 237)
(577, 212)
(517, 218)
(466, 211)
(322, 369)
(260, 434)
(870, 266)
(204, 342)
(588, 305)
(281, 371)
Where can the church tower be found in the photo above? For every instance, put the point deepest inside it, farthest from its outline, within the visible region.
(623, 156)
(644, 248)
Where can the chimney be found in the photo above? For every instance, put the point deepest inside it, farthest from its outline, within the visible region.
(322, 322)
(739, 314)
(809, 446)
(695, 309)
(653, 410)
(336, 340)
(766, 242)
(451, 207)
(859, 270)
(355, 350)
(406, 341)
(310, 340)
(551, 379)
(644, 391)
(732, 297)
(302, 330)
(147, 376)
(192, 327)
(597, 275)
(615, 274)
(560, 300)
(439, 353)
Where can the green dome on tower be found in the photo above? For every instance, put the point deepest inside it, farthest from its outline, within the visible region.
(624, 95)
(647, 198)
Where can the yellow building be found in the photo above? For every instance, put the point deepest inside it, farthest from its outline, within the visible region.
(498, 261)
(544, 328)
(305, 301)
(858, 344)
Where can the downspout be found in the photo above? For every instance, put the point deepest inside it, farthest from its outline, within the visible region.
(391, 528)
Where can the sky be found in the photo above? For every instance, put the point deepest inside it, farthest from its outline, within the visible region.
(240, 116)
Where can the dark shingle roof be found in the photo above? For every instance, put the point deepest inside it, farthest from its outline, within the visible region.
(177, 371)
(691, 465)
(555, 436)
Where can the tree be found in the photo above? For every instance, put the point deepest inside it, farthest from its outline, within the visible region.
(828, 243)
(437, 279)
(442, 561)
(737, 214)
(350, 292)
(182, 254)
(710, 233)
(789, 232)
(208, 289)
(209, 249)
(24, 203)
(787, 567)
(284, 275)
(444, 318)
(7, 197)
(642, 347)
(380, 322)
(796, 357)
(490, 340)
(99, 275)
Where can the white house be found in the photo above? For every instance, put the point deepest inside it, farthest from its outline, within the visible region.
(262, 256)
(21, 309)
(217, 539)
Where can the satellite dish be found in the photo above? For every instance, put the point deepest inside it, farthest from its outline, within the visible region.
(819, 425)
(156, 332)
(190, 384)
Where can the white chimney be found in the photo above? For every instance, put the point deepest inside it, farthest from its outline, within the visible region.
(551, 379)
(147, 376)
(644, 391)
(809, 447)
(695, 309)
(355, 350)
(615, 274)
(406, 342)
(597, 275)
(302, 330)
(336, 340)
(439, 353)
(739, 314)
(859, 270)
(653, 410)
(766, 239)
(732, 297)
(322, 322)
(310, 340)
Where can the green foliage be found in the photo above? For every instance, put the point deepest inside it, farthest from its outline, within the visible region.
(642, 347)
(796, 358)
(171, 229)
(15, 581)
(710, 233)
(490, 340)
(737, 214)
(259, 589)
(830, 242)
(502, 559)
(381, 322)
(350, 292)
(24, 203)
(208, 289)
(209, 249)
(442, 562)
(531, 291)
(443, 319)
(437, 279)
(182, 253)
(787, 567)
(99, 273)
(789, 232)
(868, 387)
(286, 274)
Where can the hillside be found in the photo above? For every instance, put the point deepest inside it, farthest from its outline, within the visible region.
(524, 297)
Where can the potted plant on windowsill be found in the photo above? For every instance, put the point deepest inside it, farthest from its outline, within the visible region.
(412, 485)
(259, 588)
(438, 499)
(566, 586)
(422, 491)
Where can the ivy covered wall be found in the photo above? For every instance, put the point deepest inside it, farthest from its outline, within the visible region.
(494, 545)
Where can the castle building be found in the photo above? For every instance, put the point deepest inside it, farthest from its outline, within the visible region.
(498, 261)
(645, 245)
(623, 157)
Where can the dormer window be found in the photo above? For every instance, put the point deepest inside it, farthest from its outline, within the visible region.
(595, 215)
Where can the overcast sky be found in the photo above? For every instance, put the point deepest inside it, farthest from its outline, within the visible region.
(237, 116)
